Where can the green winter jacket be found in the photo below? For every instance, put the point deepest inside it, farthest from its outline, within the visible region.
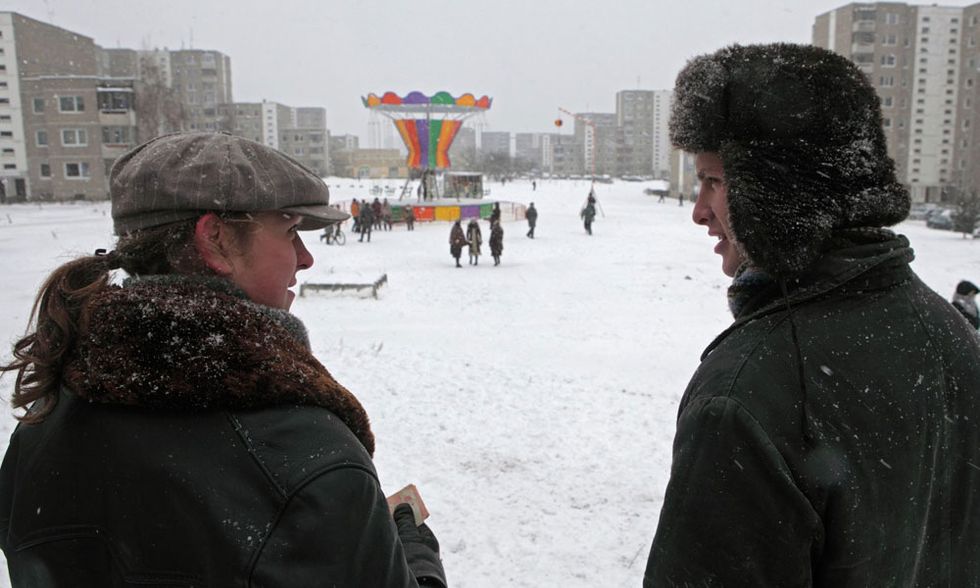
(835, 444)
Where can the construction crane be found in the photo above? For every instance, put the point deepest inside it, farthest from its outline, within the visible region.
(595, 136)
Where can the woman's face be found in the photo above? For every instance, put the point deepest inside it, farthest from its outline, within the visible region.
(265, 266)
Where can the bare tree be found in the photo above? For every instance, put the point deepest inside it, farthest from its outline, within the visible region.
(158, 107)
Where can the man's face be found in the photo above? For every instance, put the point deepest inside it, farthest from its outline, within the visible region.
(711, 210)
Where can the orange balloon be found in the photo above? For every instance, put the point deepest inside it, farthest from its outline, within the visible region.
(558, 122)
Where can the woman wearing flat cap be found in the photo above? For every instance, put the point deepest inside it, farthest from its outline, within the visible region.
(831, 435)
(177, 429)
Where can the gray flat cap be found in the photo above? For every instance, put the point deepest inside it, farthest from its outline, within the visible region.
(180, 176)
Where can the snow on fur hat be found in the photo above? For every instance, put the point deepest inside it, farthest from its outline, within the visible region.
(798, 130)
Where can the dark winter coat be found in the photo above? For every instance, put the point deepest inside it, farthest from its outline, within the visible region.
(968, 308)
(456, 240)
(588, 213)
(366, 216)
(474, 236)
(197, 442)
(532, 216)
(836, 444)
(496, 240)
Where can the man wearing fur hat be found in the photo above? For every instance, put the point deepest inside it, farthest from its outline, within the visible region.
(830, 435)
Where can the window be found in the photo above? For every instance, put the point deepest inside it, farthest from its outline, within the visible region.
(41, 138)
(116, 135)
(887, 81)
(38, 105)
(299, 151)
(71, 104)
(109, 101)
(45, 170)
(891, 18)
(76, 170)
(74, 137)
(925, 30)
(888, 60)
(886, 123)
(889, 40)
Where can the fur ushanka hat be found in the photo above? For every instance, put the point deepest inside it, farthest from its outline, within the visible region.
(798, 130)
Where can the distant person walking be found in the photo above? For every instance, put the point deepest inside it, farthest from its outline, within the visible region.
(532, 219)
(386, 215)
(366, 221)
(588, 214)
(965, 301)
(355, 210)
(475, 238)
(534, 185)
(410, 218)
(496, 242)
(456, 241)
(376, 213)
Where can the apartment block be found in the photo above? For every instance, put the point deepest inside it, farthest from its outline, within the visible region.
(53, 106)
(922, 61)
(202, 80)
(495, 142)
(528, 148)
(662, 148)
(602, 143)
(634, 116)
(300, 132)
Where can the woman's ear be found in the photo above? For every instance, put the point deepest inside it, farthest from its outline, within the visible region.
(210, 237)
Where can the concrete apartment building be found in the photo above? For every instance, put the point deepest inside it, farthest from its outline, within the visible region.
(602, 143)
(62, 122)
(528, 148)
(495, 142)
(634, 115)
(202, 80)
(300, 132)
(923, 61)
(662, 100)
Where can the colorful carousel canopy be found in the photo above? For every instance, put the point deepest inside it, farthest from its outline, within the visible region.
(427, 124)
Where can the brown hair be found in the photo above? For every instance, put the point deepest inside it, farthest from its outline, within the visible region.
(59, 314)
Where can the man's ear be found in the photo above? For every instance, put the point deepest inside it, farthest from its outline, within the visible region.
(210, 236)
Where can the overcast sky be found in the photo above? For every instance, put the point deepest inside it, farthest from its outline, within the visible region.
(530, 56)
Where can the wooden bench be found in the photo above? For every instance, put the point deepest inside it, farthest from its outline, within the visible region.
(339, 287)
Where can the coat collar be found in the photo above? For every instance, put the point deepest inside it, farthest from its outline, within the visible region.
(196, 344)
(857, 260)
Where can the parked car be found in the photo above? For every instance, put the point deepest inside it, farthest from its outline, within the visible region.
(922, 210)
(940, 219)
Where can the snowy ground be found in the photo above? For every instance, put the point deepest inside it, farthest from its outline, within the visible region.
(532, 403)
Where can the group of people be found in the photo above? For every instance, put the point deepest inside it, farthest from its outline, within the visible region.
(376, 215)
(472, 239)
(177, 428)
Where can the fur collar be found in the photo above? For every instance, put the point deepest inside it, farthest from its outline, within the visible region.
(195, 344)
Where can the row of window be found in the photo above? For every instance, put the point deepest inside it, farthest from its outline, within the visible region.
(73, 170)
(65, 104)
(79, 137)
